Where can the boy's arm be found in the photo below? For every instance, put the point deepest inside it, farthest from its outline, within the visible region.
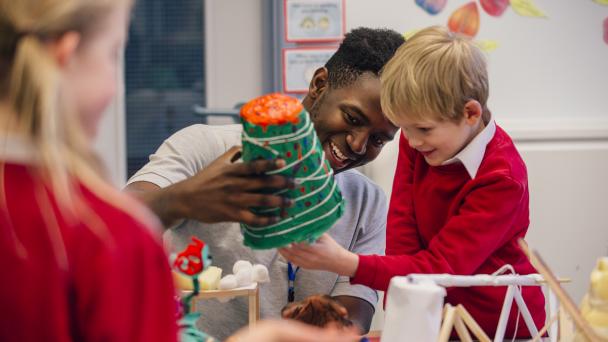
(370, 239)
(484, 223)
(401, 229)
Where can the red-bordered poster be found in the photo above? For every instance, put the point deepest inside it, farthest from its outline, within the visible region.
(300, 64)
(314, 20)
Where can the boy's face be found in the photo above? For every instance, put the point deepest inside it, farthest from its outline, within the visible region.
(438, 140)
(349, 122)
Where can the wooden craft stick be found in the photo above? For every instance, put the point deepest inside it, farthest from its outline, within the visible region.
(470, 322)
(559, 280)
(565, 299)
(542, 331)
(461, 329)
(448, 323)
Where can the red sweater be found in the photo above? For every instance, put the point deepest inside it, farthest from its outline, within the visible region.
(442, 221)
(99, 277)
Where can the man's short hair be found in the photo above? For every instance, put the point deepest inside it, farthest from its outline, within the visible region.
(433, 76)
(362, 50)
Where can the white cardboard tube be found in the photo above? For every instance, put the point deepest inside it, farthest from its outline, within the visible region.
(413, 311)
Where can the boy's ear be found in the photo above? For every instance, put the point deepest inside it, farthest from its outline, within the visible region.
(318, 84)
(63, 48)
(472, 112)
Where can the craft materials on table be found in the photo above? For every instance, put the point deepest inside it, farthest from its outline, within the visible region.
(413, 311)
(194, 276)
(595, 304)
(414, 306)
(190, 263)
(245, 274)
(566, 301)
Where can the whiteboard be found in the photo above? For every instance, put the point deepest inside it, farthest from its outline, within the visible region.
(543, 69)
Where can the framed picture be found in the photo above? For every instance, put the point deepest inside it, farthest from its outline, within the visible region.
(314, 20)
(300, 64)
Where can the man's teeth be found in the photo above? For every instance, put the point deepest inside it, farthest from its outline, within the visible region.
(338, 153)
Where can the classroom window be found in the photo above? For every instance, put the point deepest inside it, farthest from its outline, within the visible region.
(164, 74)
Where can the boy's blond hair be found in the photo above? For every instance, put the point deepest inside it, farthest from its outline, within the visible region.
(432, 76)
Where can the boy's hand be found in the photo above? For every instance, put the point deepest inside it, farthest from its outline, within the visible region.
(325, 254)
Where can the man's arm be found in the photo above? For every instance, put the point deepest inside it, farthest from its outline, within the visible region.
(223, 191)
(160, 200)
(360, 311)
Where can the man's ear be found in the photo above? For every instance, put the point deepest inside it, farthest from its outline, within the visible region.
(472, 112)
(318, 84)
(63, 48)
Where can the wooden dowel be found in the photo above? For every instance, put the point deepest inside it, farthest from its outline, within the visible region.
(448, 323)
(542, 331)
(472, 324)
(565, 299)
(461, 329)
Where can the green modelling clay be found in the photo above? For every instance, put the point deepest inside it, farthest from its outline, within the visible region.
(318, 202)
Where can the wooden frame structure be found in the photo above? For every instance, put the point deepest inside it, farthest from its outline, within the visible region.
(458, 318)
(252, 292)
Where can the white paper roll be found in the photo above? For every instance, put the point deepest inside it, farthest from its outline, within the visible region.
(413, 311)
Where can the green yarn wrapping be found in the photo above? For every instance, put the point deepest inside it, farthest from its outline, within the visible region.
(318, 202)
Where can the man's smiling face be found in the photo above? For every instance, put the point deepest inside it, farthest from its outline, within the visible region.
(349, 122)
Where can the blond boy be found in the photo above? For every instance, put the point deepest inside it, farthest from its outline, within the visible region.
(460, 194)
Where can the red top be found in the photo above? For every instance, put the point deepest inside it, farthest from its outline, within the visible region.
(100, 277)
(442, 221)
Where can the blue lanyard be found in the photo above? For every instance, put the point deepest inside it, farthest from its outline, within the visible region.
(291, 278)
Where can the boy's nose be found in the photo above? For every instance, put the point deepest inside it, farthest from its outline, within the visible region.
(414, 142)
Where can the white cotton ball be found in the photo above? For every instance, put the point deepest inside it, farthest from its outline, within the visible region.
(243, 277)
(241, 264)
(260, 274)
(224, 299)
(228, 282)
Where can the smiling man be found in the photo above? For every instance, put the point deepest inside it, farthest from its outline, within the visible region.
(344, 103)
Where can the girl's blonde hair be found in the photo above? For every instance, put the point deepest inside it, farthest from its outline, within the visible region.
(29, 84)
(432, 76)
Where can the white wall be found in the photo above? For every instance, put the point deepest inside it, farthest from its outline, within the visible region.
(111, 139)
(233, 51)
(543, 68)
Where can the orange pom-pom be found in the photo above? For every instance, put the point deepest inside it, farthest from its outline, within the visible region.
(272, 109)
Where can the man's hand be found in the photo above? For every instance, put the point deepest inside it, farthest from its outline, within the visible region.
(223, 191)
(325, 254)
